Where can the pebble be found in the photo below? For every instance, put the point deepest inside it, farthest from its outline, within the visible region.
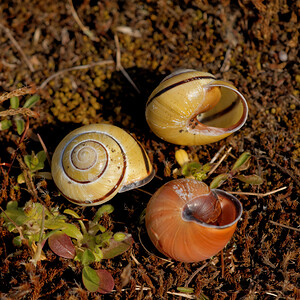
(283, 56)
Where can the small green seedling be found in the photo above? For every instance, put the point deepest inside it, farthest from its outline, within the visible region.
(91, 243)
(34, 162)
(14, 116)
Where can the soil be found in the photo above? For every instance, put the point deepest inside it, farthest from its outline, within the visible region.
(253, 44)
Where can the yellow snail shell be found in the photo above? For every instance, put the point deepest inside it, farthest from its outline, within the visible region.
(193, 108)
(94, 162)
(188, 222)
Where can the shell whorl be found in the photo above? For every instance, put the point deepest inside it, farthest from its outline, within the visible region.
(94, 162)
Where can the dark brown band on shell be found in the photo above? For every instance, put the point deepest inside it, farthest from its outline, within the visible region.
(178, 84)
(116, 186)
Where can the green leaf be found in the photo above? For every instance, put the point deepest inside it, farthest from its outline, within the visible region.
(98, 254)
(71, 213)
(219, 180)
(240, 163)
(250, 179)
(72, 231)
(5, 124)
(106, 208)
(116, 248)
(20, 126)
(21, 178)
(185, 289)
(41, 156)
(31, 101)
(17, 241)
(90, 279)
(188, 168)
(14, 102)
(119, 236)
(88, 257)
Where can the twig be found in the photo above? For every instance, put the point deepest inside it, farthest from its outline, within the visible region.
(19, 92)
(219, 162)
(45, 149)
(217, 154)
(134, 258)
(119, 65)
(98, 63)
(15, 43)
(85, 29)
(194, 274)
(259, 194)
(141, 190)
(285, 226)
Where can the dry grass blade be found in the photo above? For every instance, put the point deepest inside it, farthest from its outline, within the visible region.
(284, 226)
(259, 194)
(19, 92)
(15, 43)
(85, 29)
(120, 67)
(219, 162)
(91, 65)
(19, 111)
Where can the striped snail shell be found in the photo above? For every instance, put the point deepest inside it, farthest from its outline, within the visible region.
(188, 222)
(94, 162)
(193, 108)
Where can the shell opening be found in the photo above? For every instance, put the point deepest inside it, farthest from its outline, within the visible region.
(217, 209)
(226, 113)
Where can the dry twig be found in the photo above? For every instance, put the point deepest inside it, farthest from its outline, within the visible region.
(259, 194)
(85, 29)
(285, 226)
(219, 162)
(119, 65)
(15, 43)
(98, 63)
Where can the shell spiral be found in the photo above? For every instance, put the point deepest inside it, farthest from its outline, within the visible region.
(193, 108)
(94, 162)
(188, 222)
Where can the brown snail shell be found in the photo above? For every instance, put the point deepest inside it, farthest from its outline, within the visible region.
(188, 222)
(94, 162)
(193, 108)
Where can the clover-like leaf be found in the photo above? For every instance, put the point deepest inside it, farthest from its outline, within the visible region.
(90, 279)
(31, 101)
(241, 162)
(250, 179)
(20, 125)
(14, 102)
(116, 248)
(61, 244)
(107, 283)
(219, 180)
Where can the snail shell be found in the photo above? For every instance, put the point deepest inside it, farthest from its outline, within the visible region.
(94, 162)
(193, 108)
(188, 222)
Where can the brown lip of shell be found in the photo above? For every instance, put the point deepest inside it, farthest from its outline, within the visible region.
(194, 124)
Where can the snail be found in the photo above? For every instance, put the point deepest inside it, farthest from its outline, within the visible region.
(188, 222)
(94, 162)
(193, 108)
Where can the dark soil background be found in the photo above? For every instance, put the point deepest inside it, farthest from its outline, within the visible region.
(253, 44)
